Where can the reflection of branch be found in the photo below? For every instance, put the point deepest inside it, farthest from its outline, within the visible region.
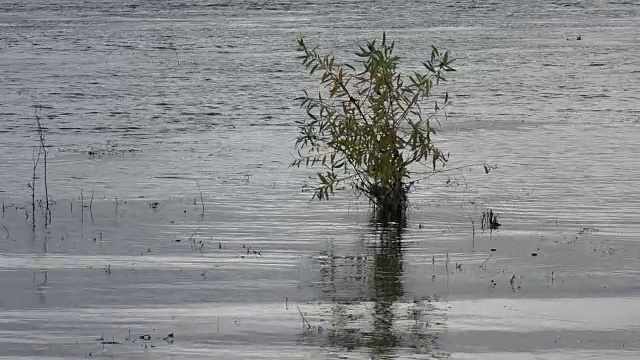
(304, 319)
(7, 230)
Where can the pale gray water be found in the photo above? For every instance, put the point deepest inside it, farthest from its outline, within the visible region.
(559, 118)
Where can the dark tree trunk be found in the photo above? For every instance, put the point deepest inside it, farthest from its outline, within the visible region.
(391, 203)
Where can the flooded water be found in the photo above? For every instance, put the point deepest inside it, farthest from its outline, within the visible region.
(145, 104)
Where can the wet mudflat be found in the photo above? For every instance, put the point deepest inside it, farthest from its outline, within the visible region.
(141, 101)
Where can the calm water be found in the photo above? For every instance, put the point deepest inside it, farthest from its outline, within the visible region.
(142, 99)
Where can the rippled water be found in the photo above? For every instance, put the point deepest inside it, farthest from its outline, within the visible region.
(142, 99)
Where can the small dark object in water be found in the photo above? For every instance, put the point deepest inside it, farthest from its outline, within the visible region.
(534, 254)
(494, 249)
(579, 37)
(145, 337)
(169, 338)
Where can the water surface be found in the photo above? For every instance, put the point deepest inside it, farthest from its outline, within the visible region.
(141, 100)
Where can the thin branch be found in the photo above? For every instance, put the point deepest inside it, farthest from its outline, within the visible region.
(304, 319)
(201, 200)
(36, 160)
(91, 205)
(334, 77)
(45, 153)
(442, 171)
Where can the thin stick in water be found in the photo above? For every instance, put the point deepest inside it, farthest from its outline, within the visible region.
(473, 238)
(484, 264)
(201, 200)
(304, 320)
(82, 205)
(91, 205)
(36, 160)
(45, 153)
(6, 230)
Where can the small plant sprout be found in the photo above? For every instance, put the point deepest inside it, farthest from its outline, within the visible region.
(490, 221)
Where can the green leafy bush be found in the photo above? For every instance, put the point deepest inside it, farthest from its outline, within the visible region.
(366, 126)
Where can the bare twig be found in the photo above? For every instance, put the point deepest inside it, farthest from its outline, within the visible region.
(6, 230)
(173, 47)
(36, 160)
(91, 205)
(82, 205)
(194, 244)
(43, 148)
(446, 170)
(484, 264)
(446, 264)
(201, 200)
(473, 236)
(304, 320)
